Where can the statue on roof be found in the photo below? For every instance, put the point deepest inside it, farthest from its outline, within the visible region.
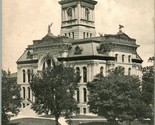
(120, 27)
(49, 28)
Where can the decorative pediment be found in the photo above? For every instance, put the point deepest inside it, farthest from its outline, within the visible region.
(78, 50)
(48, 37)
(119, 35)
(123, 36)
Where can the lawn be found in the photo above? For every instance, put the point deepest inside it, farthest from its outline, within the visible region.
(99, 122)
(32, 121)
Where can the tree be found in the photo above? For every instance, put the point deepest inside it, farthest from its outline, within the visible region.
(148, 91)
(10, 97)
(116, 96)
(54, 89)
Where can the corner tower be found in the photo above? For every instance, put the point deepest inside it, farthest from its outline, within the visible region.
(78, 18)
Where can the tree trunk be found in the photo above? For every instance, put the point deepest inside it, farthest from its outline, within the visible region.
(113, 122)
(129, 122)
(56, 120)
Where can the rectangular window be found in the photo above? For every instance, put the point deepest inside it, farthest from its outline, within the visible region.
(78, 96)
(84, 110)
(69, 34)
(65, 34)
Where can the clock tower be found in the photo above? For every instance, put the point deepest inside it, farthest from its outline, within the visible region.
(78, 18)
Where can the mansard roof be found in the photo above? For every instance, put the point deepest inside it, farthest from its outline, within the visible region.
(27, 56)
(80, 48)
(84, 48)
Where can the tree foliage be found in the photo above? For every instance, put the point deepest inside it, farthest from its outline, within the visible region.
(10, 97)
(148, 90)
(54, 90)
(116, 96)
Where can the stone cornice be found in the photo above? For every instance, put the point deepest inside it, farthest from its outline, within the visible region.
(27, 61)
(137, 60)
(87, 58)
(69, 1)
(69, 26)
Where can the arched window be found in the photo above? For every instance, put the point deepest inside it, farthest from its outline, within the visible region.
(48, 63)
(73, 35)
(24, 92)
(122, 58)
(24, 75)
(84, 35)
(44, 66)
(101, 70)
(69, 13)
(87, 13)
(23, 105)
(129, 59)
(29, 75)
(90, 35)
(123, 70)
(29, 92)
(78, 95)
(87, 35)
(129, 71)
(84, 95)
(116, 57)
(78, 71)
(84, 74)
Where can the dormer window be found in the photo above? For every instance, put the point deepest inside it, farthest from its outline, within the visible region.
(78, 50)
(87, 13)
(29, 55)
(69, 13)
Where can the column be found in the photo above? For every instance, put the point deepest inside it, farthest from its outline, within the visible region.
(89, 72)
(78, 13)
(81, 94)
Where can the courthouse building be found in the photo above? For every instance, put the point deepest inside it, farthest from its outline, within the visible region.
(78, 46)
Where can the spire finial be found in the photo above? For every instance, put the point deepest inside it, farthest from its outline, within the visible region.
(49, 28)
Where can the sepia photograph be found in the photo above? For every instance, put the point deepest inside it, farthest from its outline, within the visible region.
(78, 62)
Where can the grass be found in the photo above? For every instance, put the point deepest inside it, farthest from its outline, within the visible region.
(87, 122)
(32, 121)
(86, 117)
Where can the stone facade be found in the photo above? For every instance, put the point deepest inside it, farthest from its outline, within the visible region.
(88, 55)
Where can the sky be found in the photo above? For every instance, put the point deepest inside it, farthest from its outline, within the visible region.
(26, 20)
